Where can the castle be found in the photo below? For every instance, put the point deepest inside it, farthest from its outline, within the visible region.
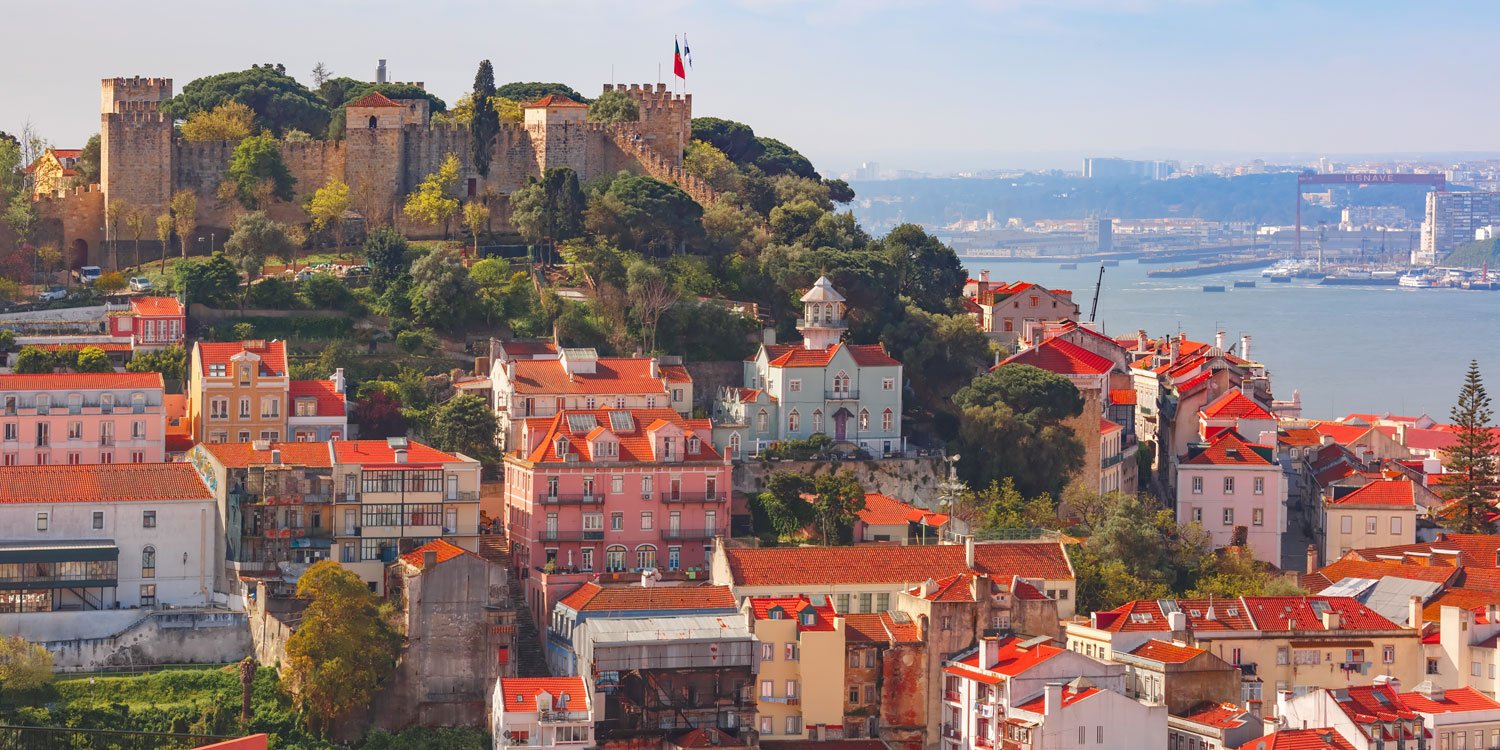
(389, 146)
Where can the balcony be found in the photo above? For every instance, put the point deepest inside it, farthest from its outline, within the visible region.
(843, 394)
(1113, 460)
(951, 732)
(694, 497)
(566, 535)
(785, 700)
(986, 711)
(562, 717)
(464, 496)
(805, 323)
(951, 696)
(983, 742)
(571, 500)
(689, 533)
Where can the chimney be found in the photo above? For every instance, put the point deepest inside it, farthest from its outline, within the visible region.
(969, 552)
(1414, 612)
(1245, 346)
(1176, 350)
(984, 278)
(1052, 698)
(338, 380)
(380, 72)
(1177, 621)
(1219, 340)
(1312, 559)
(429, 558)
(990, 652)
(1330, 620)
(1142, 344)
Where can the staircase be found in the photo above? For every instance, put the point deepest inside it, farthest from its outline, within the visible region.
(531, 660)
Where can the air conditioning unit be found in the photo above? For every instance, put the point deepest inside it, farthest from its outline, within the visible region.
(645, 496)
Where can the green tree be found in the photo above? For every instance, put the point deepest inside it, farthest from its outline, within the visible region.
(164, 236)
(476, 218)
(430, 203)
(527, 92)
(213, 282)
(171, 362)
(385, 253)
(1010, 425)
(837, 501)
(88, 162)
(939, 353)
(33, 361)
(343, 649)
(114, 214)
(839, 191)
(645, 214)
(280, 103)
(780, 508)
(709, 164)
(254, 238)
(778, 158)
(442, 294)
(927, 271)
(230, 121)
(733, 230)
(614, 106)
(23, 665)
(1472, 463)
(484, 125)
(110, 282)
(465, 424)
(550, 209)
(735, 139)
(184, 208)
(258, 172)
(327, 208)
(327, 292)
(135, 223)
(789, 222)
(93, 359)
(651, 293)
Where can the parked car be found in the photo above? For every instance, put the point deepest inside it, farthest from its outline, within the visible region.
(353, 271)
(303, 275)
(87, 274)
(53, 294)
(140, 284)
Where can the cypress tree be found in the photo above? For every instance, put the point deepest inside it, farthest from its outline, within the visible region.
(1471, 461)
(486, 123)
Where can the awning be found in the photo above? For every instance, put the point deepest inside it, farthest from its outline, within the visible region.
(81, 550)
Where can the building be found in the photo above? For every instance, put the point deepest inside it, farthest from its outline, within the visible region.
(626, 601)
(1299, 739)
(867, 578)
(1014, 693)
(886, 678)
(119, 329)
(106, 536)
(237, 391)
(82, 418)
(1178, 676)
(1358, 218)
(1452, 219)
(54, 172)
(615, 491)
(1111, 168)
(1235, 490)
(850, 393)
(1370, 717)
(1382, 513)
(1451, 714)
(454, 607)
(318, 411)
(1213, 727)
(1276, 641)
(392, 496)
(1013, 313)
(801, 671)
(542, 712)
(886, 519)
(150, 323)
(659, 677)
(540, 381)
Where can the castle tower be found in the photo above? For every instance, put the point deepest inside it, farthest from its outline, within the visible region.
(557, 125)
(374, 161)
(666, 118)
(135, 143)
(822, 324)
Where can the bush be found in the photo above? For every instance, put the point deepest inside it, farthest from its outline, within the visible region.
(296, 327)
(417, 341)
(327, 292)
(800, 450)
(273, 294)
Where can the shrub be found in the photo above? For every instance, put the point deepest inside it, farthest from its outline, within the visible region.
(417, 341)
(273, 294)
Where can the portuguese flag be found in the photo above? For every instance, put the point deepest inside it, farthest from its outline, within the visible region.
(677, 68)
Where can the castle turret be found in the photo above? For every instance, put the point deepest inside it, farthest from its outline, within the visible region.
(822, 323)
(135, 143)
(557, 126)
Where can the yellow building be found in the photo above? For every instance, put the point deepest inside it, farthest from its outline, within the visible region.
(801, 677)
(237, 391)
(54, 171)
(1378, 514)
(1278, 642)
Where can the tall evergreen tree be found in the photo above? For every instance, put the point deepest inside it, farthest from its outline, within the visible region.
(1471, 461)
(485, 124)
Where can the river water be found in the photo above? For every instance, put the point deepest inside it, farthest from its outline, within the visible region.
(1346, 348)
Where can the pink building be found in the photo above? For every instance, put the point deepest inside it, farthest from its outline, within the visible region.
(150, 323)
(82, 418)
(614, 491)
(1231, 483)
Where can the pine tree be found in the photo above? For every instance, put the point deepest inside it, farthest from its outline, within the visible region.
(1471, 461)
(485, 124)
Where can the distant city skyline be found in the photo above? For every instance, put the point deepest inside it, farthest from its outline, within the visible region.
(914, 85)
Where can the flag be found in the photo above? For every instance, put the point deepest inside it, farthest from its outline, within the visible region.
(677, 61)
(687, 52)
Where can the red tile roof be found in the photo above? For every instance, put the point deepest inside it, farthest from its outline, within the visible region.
(1063, 357)
(445, 551)
(372, 99)
(633, 444)
(1218, 715)
(591, 597)
(1474, 550)
(676, 374)
(1299, 436)
(864, 355)
(884, 510)
(1229, 449)
(1341, 433)
(518, 348)
(1273, 613)
(1454, 700)
(792, 608)
(272, 355)
(77, 381)
(1122, 396)
(869, 563)
(1348, 567)
(244, 455)
(1392, 493)
(330, 403)
(1038, 704)
(1300, 739)
(156, 306)
(955, 588)
(1236, 405)
(380, 452)
(1166, 652)
(612, 376)
(62, 483)
(706, 737)
(105, 347)
(1428, 440)
(1012, 658)
(882, 628)
(1106, 427)
(1470, 599)
(519, 693)
(555, 100)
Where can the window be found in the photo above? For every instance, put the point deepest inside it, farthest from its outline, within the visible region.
(793, 421)
(1388, 655)
(98, 519)
(841, 604)
(866, 602)
(1234, 656)
(1395, 524)
(617, 521)
(1229, 516)
(647, 482)
(768, 652)
(1258, 517)
(767, 687)
(645, 556)
(218, 408)
(887, 420)
(137, 457)
(43, 434)
(1082, 731)
(1346, 524)
(148, 519)
(1260, 485)
(888, 384)
(41, 522)
(617, 485)
(1197, 515)
(270, 408)
(854, 694)
(1474, 668)
(1371, 524)
(794, 385)
(674, 558)
(148, 595)
(1229, 485)
(244, 408)
(794, 724)
(761, 421)
(869, 693)
(645, 520)
(1283, 656)
(791, 655)
(75, 430)
(882, 602)
(767, 726)
(1197, 485)
(864, 419)
(148, 562)
(614, 559)
(12, 431)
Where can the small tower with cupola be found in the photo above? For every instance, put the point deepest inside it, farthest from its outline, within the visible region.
(822, 324)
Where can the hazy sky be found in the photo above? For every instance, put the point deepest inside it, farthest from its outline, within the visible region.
(911, 84)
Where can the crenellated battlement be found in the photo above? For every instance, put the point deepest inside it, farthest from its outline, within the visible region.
(116, 93)
(137, 83)
(139, 117)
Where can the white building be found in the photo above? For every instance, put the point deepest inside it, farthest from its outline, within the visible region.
(1380, 717)
(541, 712)
(103, 536)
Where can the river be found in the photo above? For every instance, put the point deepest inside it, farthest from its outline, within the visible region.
(1346, 348)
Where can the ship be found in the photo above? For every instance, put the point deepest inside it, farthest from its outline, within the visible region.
(1357, 277)
(1416, 280)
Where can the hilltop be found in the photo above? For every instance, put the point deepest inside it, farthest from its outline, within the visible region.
(1476, 254)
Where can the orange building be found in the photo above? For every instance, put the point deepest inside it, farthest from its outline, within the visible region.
(237, 391)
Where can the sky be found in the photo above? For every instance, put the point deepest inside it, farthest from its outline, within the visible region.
(912, 84)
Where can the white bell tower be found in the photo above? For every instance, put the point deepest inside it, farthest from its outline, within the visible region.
(822, 324)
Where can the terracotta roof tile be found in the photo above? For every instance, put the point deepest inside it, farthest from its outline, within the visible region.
(156, 306)
(1229, 449)
(864, 355)
(1236, 405)
(884, 627)
(884, 510)
(555, 100)
(1392, 492)
(1063, 357)
(802, 566)
(1470, 599)
(244, 455)
(1454, 700)
(519, 693)
(1038, 703)
(445, 551)
(1122, 396)
(1218, 715)
(330, 403)
(272, 354)
(633, 442)
(1474, 550)
(1341, 433)
(1299, 436)
(591, 597)
(612, 376)
(59, 381)
(1166, 652)
(372, 99)
(792, 608)
(380, 452)
(62, 483)
(1343, 568)
(1300, 739)
(1244, 613)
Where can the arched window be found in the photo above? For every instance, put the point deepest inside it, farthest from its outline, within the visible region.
(148, 562)
(817, 425)
(864, 419)
(887, 420)
(760, 421)
(645, 556)
(614, 558)
(373, 122)
(841, 384)
(734, 444)
(793, 421)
